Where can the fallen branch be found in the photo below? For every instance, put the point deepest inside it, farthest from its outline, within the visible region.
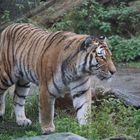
(101, 93)
(127, 99)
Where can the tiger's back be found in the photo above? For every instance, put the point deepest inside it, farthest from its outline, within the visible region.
(26, 49)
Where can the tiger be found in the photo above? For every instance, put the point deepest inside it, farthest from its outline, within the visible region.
(55, 62)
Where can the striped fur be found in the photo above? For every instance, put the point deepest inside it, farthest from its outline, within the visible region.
(55, 62)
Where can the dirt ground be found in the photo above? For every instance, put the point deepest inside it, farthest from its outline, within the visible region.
(126, 80)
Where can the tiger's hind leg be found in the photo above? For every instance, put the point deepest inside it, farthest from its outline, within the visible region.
(21, 91)
(2, 101)
(4, 85)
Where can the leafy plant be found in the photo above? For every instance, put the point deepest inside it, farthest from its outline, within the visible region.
(6, 16)
(94, 18)
(114, 21)
(125, 50)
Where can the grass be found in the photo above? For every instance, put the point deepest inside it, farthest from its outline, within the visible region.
(109, 118)
(131, 64)
(134, 64)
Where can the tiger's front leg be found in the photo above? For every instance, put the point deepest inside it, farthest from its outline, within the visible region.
(21, 91)
(81, 95)
(46, 110)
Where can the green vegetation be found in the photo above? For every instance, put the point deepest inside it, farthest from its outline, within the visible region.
(125, 50)
(120, 23)
(12, 9)
(94, 18)
(109, 118)
(133, 64)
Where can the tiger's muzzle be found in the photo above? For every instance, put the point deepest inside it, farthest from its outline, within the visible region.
(104, 75)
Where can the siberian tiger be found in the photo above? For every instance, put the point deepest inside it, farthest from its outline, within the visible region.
(55, 61)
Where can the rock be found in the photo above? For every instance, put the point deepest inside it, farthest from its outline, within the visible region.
(56, 136)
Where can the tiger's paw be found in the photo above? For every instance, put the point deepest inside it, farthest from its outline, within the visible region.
(24, 122)
(48, 130)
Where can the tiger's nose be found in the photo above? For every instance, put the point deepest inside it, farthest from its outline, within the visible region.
(113, 71)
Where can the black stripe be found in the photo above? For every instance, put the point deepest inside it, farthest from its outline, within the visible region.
(80, 93)
(80, 107)
(3, 89)
(20, 30)
(4, 82)
(53, 38)
(32, 77)
(22, 33)
(55, 85)
(25, 85)
(96, 66)
(61, 40)
(15, 103)
(20, 96)
(64, 65)
(51, 93)
(26, 38)
(44, 49)
(9, 47)
(49, 43)
(63, 68)
(80, 84)
(26, 73)
(9, 77)
(63, 73)
(34, 43)
(22, 39)
(85, 61)
(66, 47)
(73, 56)
(90, 61)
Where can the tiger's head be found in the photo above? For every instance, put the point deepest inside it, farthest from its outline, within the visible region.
(95, 58)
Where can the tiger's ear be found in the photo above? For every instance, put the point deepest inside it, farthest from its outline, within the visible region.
(86, 43)
(102, 38)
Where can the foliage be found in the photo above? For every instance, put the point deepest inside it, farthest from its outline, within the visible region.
(110, 118)
(119, 22)
(133, 64)
(6, 16)
(93, 18)
(12, 9)
(125, 50)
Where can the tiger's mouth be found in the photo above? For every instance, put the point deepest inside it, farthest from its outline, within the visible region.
(103, 75)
